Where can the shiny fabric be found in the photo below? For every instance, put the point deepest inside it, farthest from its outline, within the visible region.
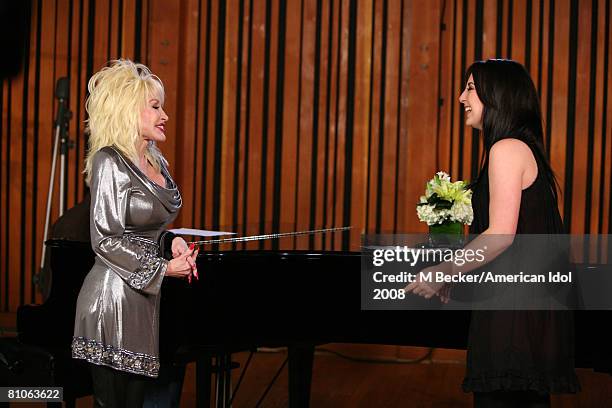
(117, 314)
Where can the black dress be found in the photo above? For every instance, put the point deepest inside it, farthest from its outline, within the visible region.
(522, 350)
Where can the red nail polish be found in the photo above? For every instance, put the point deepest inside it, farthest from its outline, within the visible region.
(191, 246)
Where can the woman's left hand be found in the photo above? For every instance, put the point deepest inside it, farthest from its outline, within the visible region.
(424, 288)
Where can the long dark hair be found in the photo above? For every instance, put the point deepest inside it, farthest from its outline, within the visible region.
(511, 110)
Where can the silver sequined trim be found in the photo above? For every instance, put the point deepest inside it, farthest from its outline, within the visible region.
(120, 359)
(149, 261)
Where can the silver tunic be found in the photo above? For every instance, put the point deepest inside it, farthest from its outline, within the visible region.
(117, 313)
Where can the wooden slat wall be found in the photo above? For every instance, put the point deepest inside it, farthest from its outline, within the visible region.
(289, 114)
(306, 113)
(67, 38)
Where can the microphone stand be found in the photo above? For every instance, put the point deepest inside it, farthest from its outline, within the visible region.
(62, 91)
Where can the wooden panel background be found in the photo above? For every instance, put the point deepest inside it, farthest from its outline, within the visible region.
(306, 113)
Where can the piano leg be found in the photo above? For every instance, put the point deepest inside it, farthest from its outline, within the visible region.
(301, 358)
(203, 378)
(224, 380)
(223, 373)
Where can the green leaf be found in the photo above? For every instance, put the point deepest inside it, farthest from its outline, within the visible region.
(444, 204)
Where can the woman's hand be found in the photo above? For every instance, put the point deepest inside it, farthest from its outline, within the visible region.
(184, 265)
(423, 288)
(445, 293)
(179, 246)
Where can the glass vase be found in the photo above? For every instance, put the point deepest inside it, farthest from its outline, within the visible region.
(449, 234)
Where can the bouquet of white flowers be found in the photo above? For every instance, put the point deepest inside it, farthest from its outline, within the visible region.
(445, 202)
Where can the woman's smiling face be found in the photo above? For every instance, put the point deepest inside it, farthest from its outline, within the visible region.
(153, 121)
(472, 104)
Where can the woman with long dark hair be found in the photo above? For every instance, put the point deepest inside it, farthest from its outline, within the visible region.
(516, 358)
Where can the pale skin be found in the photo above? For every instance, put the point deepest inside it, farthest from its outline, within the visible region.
(152, 128)
(512, 168)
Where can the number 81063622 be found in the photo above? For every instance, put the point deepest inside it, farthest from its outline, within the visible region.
(36, 394)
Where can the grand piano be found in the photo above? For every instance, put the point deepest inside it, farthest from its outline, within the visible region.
(247, 298)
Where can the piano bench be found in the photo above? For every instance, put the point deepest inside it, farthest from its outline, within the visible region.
(26, 365)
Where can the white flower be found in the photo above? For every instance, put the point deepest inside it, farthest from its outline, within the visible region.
(443, 176)
(445, 201)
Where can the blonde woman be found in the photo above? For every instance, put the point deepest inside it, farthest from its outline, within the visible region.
(132, 198)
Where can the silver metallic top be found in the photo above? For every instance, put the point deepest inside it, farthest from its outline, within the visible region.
(117, 314)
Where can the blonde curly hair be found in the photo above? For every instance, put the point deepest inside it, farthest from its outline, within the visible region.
(117, 95)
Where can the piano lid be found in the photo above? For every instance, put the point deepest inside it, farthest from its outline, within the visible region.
(283, 237)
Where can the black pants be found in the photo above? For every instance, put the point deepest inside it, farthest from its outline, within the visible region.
(117, 389)
(165, 391)
(511, 399)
